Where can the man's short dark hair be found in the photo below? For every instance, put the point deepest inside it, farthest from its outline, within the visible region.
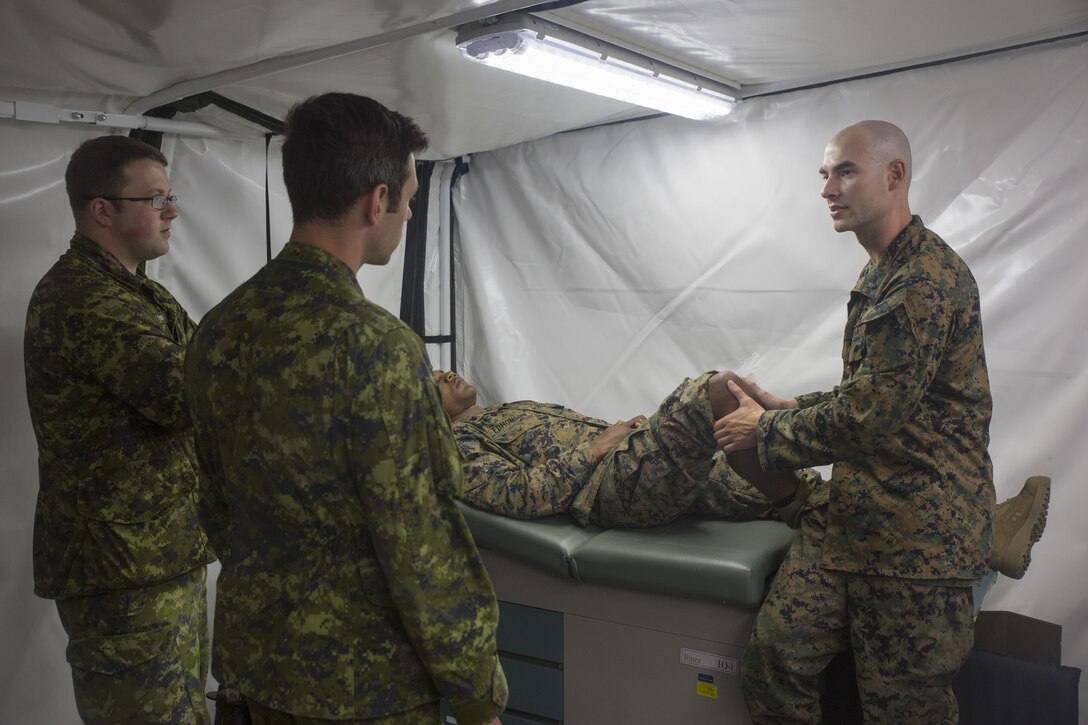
(340, 146)
(97, 168)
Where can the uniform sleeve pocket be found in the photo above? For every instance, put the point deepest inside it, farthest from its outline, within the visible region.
(882, 308)
(883, 339)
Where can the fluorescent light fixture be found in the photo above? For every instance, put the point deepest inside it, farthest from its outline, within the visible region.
(528, 45)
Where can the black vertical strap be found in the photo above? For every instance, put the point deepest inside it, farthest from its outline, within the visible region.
(267, 212)
(460, 168)
(415, 253)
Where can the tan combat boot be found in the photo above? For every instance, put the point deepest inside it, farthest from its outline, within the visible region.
(1018, 524)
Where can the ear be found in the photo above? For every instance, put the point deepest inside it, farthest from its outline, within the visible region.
(376, 203)
(100, 212)
(897, 174)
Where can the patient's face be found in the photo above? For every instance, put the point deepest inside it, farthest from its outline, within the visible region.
(458, 394)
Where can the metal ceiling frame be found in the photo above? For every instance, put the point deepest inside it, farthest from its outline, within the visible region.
(770, 89)
(271, 66)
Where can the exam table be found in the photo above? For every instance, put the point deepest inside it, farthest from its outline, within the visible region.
(626, 626)
(646, 627)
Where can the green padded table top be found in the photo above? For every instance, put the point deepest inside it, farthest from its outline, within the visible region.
(726, 561)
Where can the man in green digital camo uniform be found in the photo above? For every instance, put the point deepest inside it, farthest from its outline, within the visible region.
(908, 527)
(117, 538)
(351, 589)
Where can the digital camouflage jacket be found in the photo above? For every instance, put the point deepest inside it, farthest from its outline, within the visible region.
(350, 585)
(526, 459)
(907, 428)
(104, 351)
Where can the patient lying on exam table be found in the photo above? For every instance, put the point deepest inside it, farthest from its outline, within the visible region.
(528, 459)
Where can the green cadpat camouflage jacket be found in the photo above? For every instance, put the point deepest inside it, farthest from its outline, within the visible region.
(104, 351)
(350, 585)
(907, 428)
(525, 459)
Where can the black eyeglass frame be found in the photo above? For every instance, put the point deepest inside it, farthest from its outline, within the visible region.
(156, 200)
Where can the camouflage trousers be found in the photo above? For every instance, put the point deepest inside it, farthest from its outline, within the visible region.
(909, 639)
(140, 655)
(728, 496)
(429, 714)
(659, 470)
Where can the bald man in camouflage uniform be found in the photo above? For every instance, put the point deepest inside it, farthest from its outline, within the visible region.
(908, 529)
(117, 539)
(528, 459)
(351, 589)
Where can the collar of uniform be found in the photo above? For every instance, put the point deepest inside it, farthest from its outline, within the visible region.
(874, 273)
(93, 252)
(302, 253)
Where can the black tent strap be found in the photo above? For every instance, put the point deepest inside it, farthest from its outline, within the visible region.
(267, 210)
(269, 123)
(191, 104)
(412, 311)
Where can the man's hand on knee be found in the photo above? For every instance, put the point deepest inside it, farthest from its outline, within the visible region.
(737, 430)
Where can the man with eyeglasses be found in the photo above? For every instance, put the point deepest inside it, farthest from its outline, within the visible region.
(117, 538)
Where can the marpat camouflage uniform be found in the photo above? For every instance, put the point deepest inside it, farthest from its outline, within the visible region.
(350, 584)
(117, 539)
(527, 459)
(911, 499)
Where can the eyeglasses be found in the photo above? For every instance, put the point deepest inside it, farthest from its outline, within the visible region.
(158, 201)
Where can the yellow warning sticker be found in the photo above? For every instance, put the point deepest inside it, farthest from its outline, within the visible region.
(706, 690)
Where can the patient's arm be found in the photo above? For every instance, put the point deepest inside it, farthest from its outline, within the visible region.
(499, 482)
(613, 435)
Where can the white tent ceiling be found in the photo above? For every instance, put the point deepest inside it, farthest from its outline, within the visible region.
(130, 57)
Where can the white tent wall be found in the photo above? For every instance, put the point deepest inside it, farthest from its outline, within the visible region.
(218, 241)
(598, 268)
(35, 225)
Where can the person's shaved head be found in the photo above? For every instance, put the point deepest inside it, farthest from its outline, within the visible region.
(867, 171)
(884, 141)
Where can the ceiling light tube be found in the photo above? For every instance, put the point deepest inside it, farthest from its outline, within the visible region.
(530, 46)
